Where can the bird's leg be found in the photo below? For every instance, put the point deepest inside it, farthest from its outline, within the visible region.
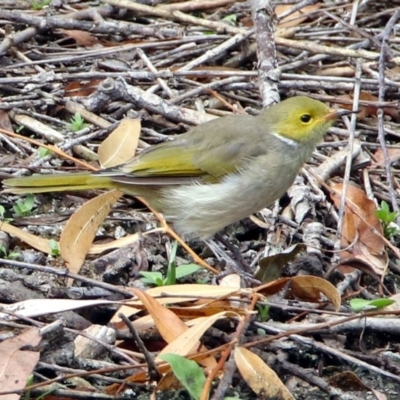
(231, 265)
(174, 235)
(236, 253)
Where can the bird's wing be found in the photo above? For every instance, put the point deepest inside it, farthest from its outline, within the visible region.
(209, 151)
(167, 159)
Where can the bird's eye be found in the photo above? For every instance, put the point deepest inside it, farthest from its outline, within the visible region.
(305, 118)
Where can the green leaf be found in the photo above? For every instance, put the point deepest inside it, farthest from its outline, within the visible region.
(381, 214)
(3, 252)
(20, 128)
(151, 278)
(187, 269)
(55, 249)
(188, 372)
(384, 206)
(172, 256)
(170, 279)
(77, 123)
(161, 282)
(43, 152)
(38, 5)
(171, 270)
(230, 19)
(358, 305)
(263, 311)
(24, 207)
(29, 382)
(29, 202)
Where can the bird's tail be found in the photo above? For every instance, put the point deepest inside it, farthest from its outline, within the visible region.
(57, 183)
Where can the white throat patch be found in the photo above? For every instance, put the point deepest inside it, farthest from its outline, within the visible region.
(286, 140)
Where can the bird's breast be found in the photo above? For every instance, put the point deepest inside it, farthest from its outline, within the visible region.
(204, 209)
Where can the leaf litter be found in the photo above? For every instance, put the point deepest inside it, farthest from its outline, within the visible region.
(111, 85)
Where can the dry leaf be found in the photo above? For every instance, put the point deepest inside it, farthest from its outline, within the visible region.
(82, 38)
(261, 378)
(187, 293)
(309, 288)
(394, 156)
(349, 381)
(37, 307)
(5, 122)
(341, 71)
(16, 364)
(191, 292)
(303, 287)
(297, 17)
(36, 242)
(118, 243)
(80, 230)
(169, 325)
(120, 146)
(81, 89)
(366, 111)
(359, 219)
(172, 329)
(188, 341)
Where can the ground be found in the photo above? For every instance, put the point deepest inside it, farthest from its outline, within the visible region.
(71, 71)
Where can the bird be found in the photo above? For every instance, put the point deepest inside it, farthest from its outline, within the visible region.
(216, 173)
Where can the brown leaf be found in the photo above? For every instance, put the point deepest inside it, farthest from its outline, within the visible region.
(347, 381)
(121, 144)
(366, 111)
(394, 155)
(36, 242)
(297, 17)
(359, 228)
(80, 230)
(359, 218)
(5, 122)
(259, 376)
(186, 343)
(181, 340)
(341, 71)
(304, 287)
(81, 89)
(310, 288)
(82, 38)
(169, 325)
(16, 364)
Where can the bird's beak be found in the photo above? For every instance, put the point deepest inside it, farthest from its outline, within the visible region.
(336, 113)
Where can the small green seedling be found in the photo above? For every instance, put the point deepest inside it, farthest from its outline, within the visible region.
(27, 394)
(77, 123)
(43, 152)
(23, 208)
(40, 4)
(387, 219)
(19, 128)
(54, 248)
(231, 19)
(174, 272)
(2, 213)
(13, 255)
(263, 311)
(358, 305)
